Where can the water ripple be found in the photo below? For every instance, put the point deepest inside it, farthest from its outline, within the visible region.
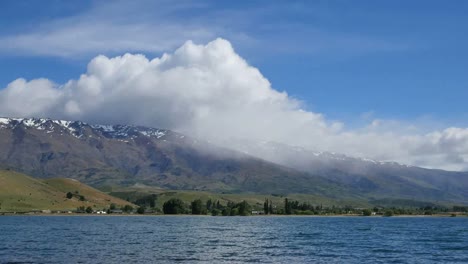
(232, 240)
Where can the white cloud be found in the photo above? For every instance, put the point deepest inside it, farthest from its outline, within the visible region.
(210, 91)
(21, 98)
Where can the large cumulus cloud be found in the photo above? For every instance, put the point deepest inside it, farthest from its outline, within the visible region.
(210, 91)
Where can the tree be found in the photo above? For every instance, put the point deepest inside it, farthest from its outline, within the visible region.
(174, 206)
(226, 211)
(270, 209)
(82, 198)
(89, 210)
(153, 202)
(265, 206)
(209, 205)
(147, 200)
(215, 212)
(127, 208)
(287, 207)
(366, 212)
(69, 195)
(112, 206)
(197, 207)
(141, 210)
(244, 208)
(388, 213)
(234, 212)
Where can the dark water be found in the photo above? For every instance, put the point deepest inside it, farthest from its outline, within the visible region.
(233, 239)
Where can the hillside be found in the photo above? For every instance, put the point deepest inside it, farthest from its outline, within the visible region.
(106, 157)
(370, 178)
(19, 192)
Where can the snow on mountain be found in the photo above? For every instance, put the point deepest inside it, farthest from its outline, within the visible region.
(77, 128)
(108, 155)
(294, 156)
(41, 124)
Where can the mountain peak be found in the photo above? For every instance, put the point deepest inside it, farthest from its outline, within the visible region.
(78, 128)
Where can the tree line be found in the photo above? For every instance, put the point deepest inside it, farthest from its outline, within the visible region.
(213, 207)
(148, 204)
(294, 207)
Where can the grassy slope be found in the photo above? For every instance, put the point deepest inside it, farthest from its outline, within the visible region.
(19, 192)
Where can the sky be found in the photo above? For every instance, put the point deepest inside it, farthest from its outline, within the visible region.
(376, 79)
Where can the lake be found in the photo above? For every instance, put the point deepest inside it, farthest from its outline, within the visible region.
(191, 239)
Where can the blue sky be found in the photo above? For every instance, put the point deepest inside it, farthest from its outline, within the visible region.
(380, 79)
(404, 60)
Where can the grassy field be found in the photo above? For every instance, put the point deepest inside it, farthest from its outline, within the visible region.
(21, 193)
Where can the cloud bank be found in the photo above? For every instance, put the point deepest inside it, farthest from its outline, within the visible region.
(209, 91)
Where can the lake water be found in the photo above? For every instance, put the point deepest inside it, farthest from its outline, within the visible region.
(191, 239)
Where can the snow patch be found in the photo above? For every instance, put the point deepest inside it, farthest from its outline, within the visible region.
(4, 121)
(105, 128)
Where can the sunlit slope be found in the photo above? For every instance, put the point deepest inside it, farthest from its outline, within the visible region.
(19, 193)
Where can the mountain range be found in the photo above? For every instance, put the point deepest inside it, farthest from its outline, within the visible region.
(124, 155)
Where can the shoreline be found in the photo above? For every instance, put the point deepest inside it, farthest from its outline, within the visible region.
(220, 216)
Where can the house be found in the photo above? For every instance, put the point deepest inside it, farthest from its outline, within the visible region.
(255, 212)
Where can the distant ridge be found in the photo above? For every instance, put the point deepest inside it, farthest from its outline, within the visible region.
(123, 155)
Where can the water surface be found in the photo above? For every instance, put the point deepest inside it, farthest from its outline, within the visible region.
(191, 239)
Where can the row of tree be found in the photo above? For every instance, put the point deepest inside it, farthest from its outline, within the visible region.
(112, 209)
(197, 207)
(147, 204)
(295, 207)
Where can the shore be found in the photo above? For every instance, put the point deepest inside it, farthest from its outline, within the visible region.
(185, 215)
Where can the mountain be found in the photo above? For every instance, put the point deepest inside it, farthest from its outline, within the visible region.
(368, 177)
(104, 156)
(19, 192)
(122, 155)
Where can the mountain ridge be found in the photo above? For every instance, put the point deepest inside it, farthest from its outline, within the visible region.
(106, 155)
(120, 154)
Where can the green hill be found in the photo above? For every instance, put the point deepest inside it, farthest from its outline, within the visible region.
(21, 193)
